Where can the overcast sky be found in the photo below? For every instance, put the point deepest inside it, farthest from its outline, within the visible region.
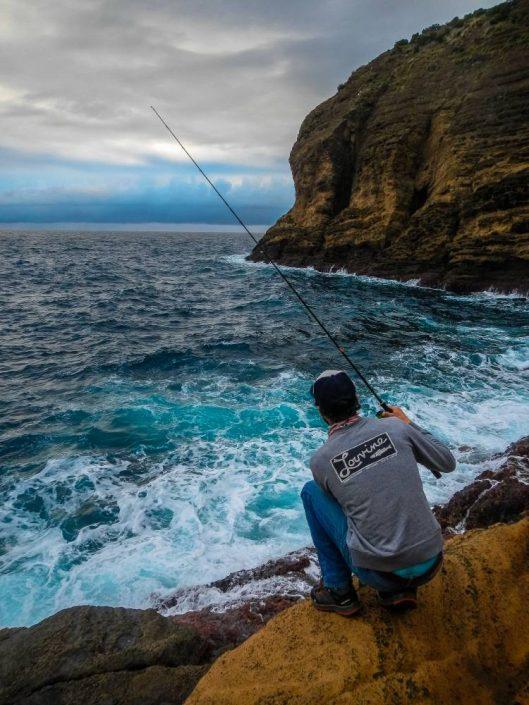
(234, 78)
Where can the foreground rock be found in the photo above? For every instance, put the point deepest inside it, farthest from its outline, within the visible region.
(244, 601)
(494, 496)
(419, 167)
(466, 642)
(100, 656)
(117, 656)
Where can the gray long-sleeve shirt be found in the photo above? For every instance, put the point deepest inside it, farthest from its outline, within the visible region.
(370, 468)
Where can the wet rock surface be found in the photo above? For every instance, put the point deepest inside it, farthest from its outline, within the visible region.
(418, 168)
(293, 572)
(100, 655)
(495, 495)
(224, 630)
(244, 601)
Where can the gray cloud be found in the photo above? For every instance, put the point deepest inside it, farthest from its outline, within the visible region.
(235, 78)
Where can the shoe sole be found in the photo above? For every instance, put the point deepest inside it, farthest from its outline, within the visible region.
(343, 611)
(404, 603)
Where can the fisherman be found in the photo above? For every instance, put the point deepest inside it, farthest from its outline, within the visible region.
(366, 507)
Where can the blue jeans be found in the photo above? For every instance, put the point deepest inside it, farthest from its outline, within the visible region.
(328, 528)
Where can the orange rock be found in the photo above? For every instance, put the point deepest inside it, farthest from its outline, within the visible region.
(466, 643)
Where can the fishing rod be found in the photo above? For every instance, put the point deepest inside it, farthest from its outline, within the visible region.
(283, 276)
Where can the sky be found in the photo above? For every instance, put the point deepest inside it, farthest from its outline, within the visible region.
(234, 79)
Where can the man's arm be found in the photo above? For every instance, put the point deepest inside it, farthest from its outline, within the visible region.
(427, 449)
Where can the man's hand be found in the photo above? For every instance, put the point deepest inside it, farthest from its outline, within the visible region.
(396, 413)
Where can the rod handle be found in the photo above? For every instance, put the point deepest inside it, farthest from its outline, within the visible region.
(385, 408)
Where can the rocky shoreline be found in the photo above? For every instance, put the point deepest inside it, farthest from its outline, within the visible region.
(495, 496)
(130, 657)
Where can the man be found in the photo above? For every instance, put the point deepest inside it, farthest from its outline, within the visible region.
(366, 507)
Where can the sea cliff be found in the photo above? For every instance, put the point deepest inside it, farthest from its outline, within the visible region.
(418, 167)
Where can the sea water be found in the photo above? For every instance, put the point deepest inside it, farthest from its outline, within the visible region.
(155, 414)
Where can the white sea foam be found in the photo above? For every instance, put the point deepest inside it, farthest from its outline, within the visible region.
(233, 504)
(495, 294)
(200, 597)
(240, 260)
(490, 295)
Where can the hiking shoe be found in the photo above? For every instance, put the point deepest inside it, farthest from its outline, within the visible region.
(399, 600)
(344, 602)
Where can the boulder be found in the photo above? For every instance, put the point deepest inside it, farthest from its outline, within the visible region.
(494, 496)
(100, 656)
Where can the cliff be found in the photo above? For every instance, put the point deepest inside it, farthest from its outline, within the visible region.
(419, 166)
(466, 643)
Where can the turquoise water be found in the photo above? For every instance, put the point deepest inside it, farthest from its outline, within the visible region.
(155, 413)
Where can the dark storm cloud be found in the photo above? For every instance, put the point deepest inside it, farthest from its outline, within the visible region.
(234, 77)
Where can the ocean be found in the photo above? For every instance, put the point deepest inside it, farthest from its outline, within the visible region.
(155, 414)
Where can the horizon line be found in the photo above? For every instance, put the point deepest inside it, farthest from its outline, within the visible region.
(84, 226)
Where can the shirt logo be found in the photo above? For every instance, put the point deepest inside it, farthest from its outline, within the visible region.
(362, 456)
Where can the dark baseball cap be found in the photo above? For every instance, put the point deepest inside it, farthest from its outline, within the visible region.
(334, 387)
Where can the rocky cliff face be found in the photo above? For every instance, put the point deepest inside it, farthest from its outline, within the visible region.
(419, 166)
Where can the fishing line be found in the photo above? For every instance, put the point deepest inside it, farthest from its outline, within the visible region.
(287, 281)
